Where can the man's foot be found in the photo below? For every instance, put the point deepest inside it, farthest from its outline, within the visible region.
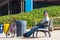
(24, 35)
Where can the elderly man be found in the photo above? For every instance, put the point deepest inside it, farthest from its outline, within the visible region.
(40, 25)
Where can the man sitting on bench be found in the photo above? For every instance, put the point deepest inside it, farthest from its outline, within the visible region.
(41, 25)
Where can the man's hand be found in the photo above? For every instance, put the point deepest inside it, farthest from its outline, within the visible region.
(45, 23)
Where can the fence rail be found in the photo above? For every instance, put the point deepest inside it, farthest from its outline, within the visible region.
(55, 21)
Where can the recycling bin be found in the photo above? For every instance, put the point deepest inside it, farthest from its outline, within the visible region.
(1, 28)
(21, 27)
(6, 27)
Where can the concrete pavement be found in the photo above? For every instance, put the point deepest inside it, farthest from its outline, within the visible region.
(55, 36)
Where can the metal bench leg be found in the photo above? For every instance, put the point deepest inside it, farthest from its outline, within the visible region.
(33, 34)
(36, 33)
(49, 33)
(45, 34)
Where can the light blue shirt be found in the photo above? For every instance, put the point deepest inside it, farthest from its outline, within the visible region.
(46, 19)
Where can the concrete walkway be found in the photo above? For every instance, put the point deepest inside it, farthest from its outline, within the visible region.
(55, 36)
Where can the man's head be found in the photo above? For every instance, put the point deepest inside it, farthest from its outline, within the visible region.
(45, 13)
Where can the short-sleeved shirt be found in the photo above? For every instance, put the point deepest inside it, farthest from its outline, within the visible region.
(46, 19)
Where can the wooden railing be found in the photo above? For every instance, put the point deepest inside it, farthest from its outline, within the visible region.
(55, 20)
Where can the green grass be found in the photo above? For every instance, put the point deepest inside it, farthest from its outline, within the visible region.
(53, 11)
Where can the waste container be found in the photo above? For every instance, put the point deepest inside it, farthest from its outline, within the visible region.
(6, 27)
(1, 28)
(21, 27)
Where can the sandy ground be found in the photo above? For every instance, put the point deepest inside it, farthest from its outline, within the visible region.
(55, 35)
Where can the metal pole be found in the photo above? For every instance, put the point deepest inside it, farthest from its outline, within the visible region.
(8, 8)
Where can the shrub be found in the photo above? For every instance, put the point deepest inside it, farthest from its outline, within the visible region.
(33, 15)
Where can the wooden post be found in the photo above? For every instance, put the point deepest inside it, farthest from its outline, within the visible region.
(22, 5)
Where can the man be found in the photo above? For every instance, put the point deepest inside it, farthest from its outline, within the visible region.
(40, 25)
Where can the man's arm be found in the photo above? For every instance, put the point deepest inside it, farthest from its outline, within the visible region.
(45, 22)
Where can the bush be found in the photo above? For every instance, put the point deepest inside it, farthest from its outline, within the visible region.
(33, 15)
